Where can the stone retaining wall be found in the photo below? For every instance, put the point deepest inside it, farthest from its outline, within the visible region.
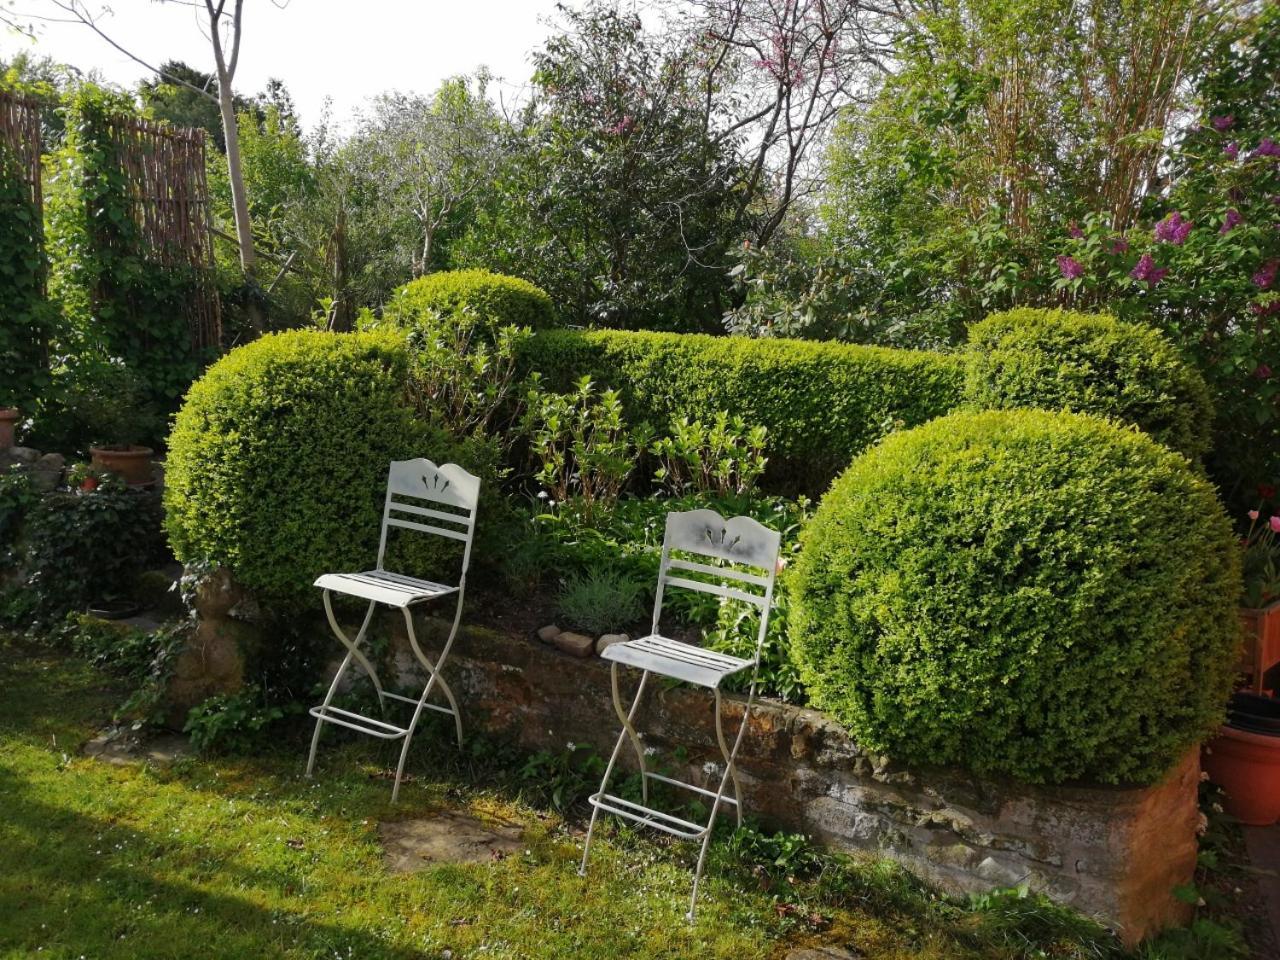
(1110, 852)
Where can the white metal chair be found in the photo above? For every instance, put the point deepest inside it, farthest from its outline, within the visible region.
(449, 487)
(747, 555)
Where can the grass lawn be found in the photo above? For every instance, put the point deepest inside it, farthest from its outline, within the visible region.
(242, 857)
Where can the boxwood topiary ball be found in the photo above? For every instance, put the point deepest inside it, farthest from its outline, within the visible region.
(1049, 596)
(277, 463)
(496, 298)
(1060, 359)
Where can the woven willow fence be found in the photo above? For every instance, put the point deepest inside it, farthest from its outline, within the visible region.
(168, 200)
(20, 135)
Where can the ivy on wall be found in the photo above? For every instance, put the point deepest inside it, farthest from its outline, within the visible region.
(25, 316)
(118, 301)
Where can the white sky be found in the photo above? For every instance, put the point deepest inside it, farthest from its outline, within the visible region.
(345, 49)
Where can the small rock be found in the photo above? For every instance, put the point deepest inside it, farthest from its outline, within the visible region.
(609, 639)
(24, 454)
(823, 953)
(576, 644)
(548, 633)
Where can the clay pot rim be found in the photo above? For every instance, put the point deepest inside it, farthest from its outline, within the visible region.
(1248, 736)
(1268, 606)
(133, 450)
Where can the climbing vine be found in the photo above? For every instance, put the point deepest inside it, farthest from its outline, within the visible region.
(119, 299)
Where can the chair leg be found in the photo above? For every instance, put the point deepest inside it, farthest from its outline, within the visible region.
(353, 653)
(627, 731)
(730, 774)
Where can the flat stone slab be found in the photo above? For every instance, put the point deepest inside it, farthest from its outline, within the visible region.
(127, 749)
(575, 644)
(822, 953)
(411, 845)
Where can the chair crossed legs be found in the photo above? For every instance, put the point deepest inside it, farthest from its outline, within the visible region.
(738, 546)
(447, 486)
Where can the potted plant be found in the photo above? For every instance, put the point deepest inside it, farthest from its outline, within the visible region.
(117, 417)
(1260, 613)
(1244, 759)
(9, 417)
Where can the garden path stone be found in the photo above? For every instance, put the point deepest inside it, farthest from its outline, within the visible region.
(823, 953)
(123, 748)
(548, 633)
(447, 837)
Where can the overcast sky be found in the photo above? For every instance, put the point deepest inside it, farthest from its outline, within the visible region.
(344, 49)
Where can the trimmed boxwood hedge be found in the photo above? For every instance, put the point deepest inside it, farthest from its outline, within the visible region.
(495, 297)
(822, 403)
(277, 463)
(1090, 363)
(1045, 595)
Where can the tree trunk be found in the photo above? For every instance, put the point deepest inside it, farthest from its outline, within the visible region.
(239, 201)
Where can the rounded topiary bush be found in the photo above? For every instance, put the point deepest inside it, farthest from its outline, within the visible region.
(1059, 359)
(1045, 595)
(494, 297)
(277, 463)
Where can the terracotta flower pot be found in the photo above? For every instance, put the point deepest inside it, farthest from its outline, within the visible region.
(8, 422)
(1246, 765)
(130, 464)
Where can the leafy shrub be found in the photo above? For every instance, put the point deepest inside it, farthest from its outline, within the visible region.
(1045, 595)
(603, 601)
(230, 722)
(821, 403)
(497, 299)
(1058, 359)
(278, 460)
(582, 443)
(83, 546)
(726, 455)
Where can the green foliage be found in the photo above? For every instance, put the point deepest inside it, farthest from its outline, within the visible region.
(17, 497)
(821, 403)
(725, 456)
(143, 659)
(614, 194)
(27, 317)
(278, 461)
(582, 443)
(230, 722)
(119, 304)
(561, 779)
(1044, 595)
(497, 300)
(82, 546)
(1057, 359)
(604, 600)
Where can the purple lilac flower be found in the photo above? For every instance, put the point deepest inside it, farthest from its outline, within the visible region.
(1173, 229)
(1074, 230)
(1266, 276)
(1232, 150)
(1267, 148)
(1263, 372)
(1119, 245)
(1148, 271)
(1232, 220)
(1071, 267)
(1223, 122)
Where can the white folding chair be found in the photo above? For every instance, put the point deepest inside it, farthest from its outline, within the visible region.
(747, 555)
(457, 492)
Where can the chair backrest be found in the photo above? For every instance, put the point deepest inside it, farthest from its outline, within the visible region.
(447, 486)
(747, 552)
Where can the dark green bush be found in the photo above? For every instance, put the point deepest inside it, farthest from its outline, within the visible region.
(1045, 595)
(1059, 359)
(494, 297)
(821, 403)
(278, 460)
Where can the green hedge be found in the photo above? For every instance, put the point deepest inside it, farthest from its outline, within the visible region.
(822, 403)
(278, 460)
(495, 297)
(1045, 595)
(1059, 359)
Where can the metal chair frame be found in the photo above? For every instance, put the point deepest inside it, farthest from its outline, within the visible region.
(449, 486)
(737, 543)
